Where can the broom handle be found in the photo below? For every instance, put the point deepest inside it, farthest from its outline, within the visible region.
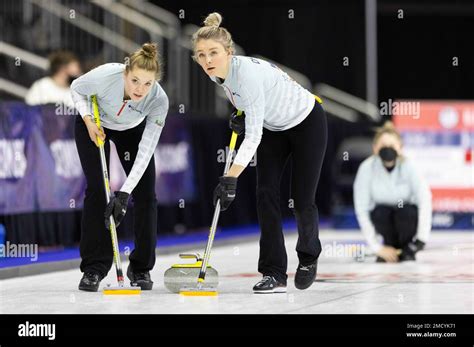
(105, 176)
(217, 211)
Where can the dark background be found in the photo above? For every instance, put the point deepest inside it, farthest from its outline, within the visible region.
(414, 53)
(415, 56)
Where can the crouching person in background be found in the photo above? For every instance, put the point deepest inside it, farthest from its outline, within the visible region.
(392, 200)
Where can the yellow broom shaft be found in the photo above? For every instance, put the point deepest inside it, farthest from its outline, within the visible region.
(215, 219)
(105, 175)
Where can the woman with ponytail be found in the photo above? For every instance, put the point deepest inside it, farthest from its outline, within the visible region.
(281, 119)
(133, 108)
(392, 200)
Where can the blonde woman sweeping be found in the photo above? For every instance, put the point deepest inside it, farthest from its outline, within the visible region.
(281, 119)
(133, 108)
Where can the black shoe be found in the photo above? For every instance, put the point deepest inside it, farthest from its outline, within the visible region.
(90, 282)
(407, 256)
(305, 275)
(268, 285)
(140, 279)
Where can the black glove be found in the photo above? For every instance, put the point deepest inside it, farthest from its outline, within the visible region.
(413, 247)
(237, 123)
(225, 191)
(117, 208)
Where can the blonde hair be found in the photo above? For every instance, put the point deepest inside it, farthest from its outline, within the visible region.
(145, 58)
(213, 31)
(387, 128)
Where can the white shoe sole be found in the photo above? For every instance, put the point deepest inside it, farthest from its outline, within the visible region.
(271, 291)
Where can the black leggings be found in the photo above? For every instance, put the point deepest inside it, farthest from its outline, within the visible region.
(95, 244)
(397, 225)
(306, 144)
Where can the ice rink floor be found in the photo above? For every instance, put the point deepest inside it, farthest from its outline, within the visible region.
(440, 281)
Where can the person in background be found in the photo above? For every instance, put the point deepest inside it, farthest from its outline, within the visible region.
(64, 67)
(391, 199)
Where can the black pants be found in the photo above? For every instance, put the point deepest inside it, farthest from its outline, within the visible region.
(397, 225)
(306, 144)
(95, 244)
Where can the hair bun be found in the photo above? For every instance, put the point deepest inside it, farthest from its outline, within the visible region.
(214, 19)
(150, 50)
(388, 125)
